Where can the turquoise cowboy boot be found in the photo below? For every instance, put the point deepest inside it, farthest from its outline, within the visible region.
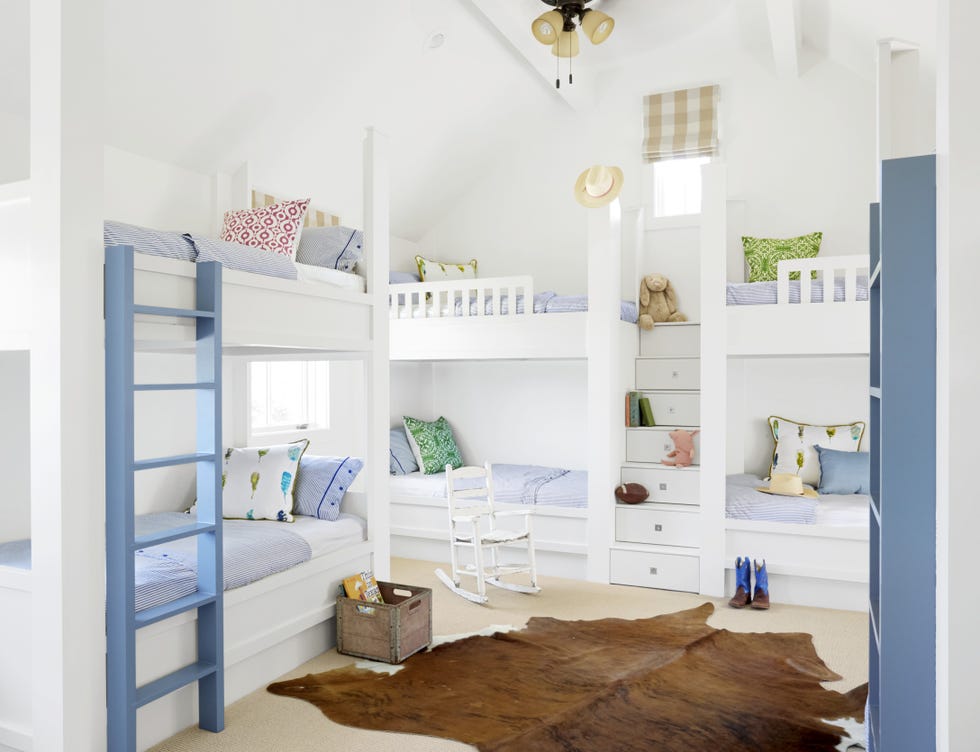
(742, 585)
(761, 597)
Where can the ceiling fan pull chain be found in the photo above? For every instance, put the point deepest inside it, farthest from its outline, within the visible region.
(569, 70)
(557, 72)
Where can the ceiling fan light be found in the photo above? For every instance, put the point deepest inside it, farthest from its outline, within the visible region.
(547, 26)
(597, 26)
(567, 45)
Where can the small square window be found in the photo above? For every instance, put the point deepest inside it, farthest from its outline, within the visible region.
(288, 395)
(677, 187)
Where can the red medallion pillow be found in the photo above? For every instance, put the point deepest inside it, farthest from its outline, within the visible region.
(274, 228)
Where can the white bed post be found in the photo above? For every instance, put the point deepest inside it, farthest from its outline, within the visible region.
(606, 437)
(67, 379)
(714, 373)
(377, 258)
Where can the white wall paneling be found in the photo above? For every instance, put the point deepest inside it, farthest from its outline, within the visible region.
(67, 380)
(958, 409)
(15, 446)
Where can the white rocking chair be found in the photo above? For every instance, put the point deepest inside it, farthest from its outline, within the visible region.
(476, 494)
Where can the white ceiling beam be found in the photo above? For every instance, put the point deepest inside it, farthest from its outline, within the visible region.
(786, 34)
(514, 30)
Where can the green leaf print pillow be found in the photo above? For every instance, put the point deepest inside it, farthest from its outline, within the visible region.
(257, 482)
(763, 254)
(432, 444)
(436, 271)
(794, 445)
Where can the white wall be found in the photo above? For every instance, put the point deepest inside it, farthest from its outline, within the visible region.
(800, 156)
(15, 445)
(411, 390)
(148, 192)
(15, 260)
(821, 391)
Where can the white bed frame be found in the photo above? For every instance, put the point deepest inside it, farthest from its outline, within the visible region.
(814, 565)
(279, 622)
(570, 542)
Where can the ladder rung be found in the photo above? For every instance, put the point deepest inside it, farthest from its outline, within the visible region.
(172, 534)
(180, 459)
(183, 313)
(173, 387)
(158, 613)
(171, 682)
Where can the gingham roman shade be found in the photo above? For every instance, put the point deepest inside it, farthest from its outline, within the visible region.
(680, 124)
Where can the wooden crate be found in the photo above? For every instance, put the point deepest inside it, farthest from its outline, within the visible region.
(389, 631)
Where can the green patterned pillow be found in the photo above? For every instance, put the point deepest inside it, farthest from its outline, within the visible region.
(436, 271)
(763, 254)
(432, 444)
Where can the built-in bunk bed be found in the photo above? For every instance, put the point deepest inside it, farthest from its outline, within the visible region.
(474, 320)
(280, 580)
(816, 550)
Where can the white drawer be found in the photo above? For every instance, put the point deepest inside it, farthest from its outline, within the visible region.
(653, 444)
(643, 524)
(666, 485)
(668, 373)
(675, 408)
(654, 570)
(671, 340)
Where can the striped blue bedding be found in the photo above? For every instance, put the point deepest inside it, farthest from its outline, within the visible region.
(543, 486)
(764, 293)
(743, 502)
(252, 550)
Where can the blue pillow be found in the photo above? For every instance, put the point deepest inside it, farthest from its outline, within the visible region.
(321, 483)
(844, 472)
(401, 459)
(334, 247)
(398, 278)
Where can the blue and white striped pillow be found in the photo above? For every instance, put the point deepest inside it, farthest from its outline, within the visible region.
(151, 242)
(244, 258)
(335, 247)
(321, 484)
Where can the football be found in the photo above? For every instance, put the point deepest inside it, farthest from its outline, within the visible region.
(631, 493)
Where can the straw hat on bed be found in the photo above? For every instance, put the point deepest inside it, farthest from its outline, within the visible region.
(787, 484)
(598, 186)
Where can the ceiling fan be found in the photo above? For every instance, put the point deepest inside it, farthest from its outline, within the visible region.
(557, 28)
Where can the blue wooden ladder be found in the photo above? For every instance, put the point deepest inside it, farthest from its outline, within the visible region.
(123, 696)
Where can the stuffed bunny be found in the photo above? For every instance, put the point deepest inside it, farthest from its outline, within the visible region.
(658, 301)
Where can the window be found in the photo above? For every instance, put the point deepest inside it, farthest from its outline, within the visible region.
(285, 395)
(677, 186)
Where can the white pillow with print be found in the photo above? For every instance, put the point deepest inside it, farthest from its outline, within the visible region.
(436, 271)
(257, 482)
(794, 452)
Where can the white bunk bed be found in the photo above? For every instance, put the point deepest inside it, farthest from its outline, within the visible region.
(276, 623)
(474, 320)
(817, 565)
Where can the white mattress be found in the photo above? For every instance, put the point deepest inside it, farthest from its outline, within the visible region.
(325, 536)
(347, 280)
(851, 510)
(419, 485)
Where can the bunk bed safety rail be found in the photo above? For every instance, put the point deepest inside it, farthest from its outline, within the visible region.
(828, 269)
(462, 298)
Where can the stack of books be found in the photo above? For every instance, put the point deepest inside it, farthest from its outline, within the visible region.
(638, 410)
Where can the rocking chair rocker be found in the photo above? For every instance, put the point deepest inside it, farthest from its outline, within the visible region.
(473, 486)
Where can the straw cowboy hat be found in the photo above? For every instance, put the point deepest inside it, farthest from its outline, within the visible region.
(787, 484)
(598, 186)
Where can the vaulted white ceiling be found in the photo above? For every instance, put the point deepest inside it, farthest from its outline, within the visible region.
(288, 86)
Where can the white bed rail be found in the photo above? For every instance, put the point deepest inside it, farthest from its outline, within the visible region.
(828, 269)
(462, 298)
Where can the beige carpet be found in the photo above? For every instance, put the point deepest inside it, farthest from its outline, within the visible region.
(266, 723)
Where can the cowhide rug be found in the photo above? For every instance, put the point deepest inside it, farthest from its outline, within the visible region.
(666, 683)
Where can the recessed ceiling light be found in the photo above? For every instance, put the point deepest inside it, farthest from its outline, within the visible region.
(435, 40)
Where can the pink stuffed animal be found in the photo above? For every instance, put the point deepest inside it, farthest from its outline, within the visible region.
(683, 454)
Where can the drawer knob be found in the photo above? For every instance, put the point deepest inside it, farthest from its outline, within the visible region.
(653, 570)
(658, 528)
(675, 374)
(671, 410)
(663, 486)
